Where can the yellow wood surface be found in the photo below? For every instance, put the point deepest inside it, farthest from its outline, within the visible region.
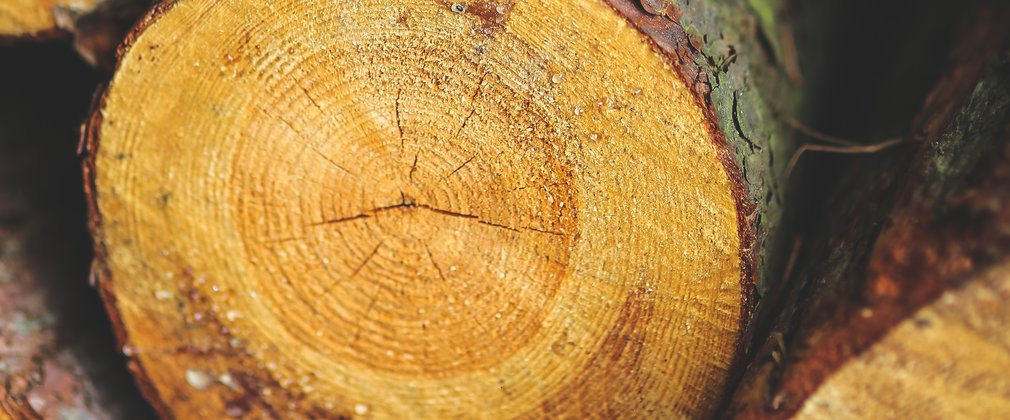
(31, 17)
(951, 360)
(396, 209)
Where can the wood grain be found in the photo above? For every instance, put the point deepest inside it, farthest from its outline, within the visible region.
(414, 209)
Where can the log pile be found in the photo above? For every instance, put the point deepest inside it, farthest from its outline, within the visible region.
(541, 208)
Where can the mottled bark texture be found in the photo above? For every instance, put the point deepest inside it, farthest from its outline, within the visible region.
(744, 60)
(902, 227)
(747, 60)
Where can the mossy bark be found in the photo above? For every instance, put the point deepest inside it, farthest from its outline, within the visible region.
(745, 76)
(745, 59)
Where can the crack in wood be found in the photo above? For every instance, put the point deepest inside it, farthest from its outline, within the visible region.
(460, 167)
(363, 264)
(305, 144)
(413, 168)
(473, 108)
(407, 203)
(399, 125)
(433, 263)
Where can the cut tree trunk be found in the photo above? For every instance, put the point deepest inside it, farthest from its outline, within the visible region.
(96, 26)
(902, 312)
(39, 18)
(429, 209)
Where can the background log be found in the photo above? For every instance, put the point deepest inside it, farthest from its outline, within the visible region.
(904, 257)
(95, 26)
(57, 353)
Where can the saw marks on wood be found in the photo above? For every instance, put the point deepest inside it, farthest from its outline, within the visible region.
(414, 209)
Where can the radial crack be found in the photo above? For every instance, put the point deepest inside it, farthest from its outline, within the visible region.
(307, 95)
(465, 121)
(445, 212)
(365, 261)
(473, 109)
(371, 305)
(341, 220)
(399, 126)
(485, 222)
(306, 143)
(413, 168)
(327, 158)
(406, 203)
(549, 232)
(433, 263)
(460, 166)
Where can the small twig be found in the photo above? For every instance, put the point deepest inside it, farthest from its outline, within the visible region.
(793, 257)
(814, 134)
(837, 144)
(869, 148)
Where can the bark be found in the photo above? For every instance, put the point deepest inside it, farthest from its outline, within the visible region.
(213, 360)
(923, 220)
(745, 65)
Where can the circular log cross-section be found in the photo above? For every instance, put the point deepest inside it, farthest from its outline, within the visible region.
(413, 209)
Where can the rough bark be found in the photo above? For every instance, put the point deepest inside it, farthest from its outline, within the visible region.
(57, 355)
(194, 327)
(910, 247)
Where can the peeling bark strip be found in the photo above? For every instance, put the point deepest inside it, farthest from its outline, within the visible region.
(864, 319)
(560, 224)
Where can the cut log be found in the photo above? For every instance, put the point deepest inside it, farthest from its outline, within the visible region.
(38, 18)
(95, 26)
(901, 312)
(948, 360)
(431, 209)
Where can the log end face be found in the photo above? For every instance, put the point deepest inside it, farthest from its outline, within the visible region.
(417, 214)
